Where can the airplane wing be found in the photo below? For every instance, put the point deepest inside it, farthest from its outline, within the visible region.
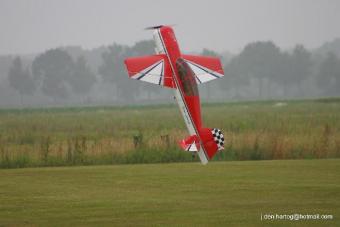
(153, 69)
(205, 68)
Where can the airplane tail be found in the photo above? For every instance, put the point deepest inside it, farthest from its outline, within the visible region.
(212, 140)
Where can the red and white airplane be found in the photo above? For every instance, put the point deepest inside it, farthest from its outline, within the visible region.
(170, 68)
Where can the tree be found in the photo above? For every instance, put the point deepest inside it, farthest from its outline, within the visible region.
(259, 60)
(262, 59)
(207, 52)
(329, 75)
(293, 68)
(112, 63)
(52, 69)
(20, 79)
(284, 72)
(82, 78)
(144, 47)
(301, 65)
(235, 77)
(114, 71)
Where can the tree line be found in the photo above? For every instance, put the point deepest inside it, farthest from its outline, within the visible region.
(260, 71)
(284, 73)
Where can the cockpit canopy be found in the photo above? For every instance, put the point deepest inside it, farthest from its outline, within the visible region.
(187, 77)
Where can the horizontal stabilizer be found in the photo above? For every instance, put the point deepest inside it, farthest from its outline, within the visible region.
(190, 143)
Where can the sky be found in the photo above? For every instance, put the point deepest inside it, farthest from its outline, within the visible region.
(33, 26)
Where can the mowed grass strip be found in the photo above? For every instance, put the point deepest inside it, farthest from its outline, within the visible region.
(178, 194)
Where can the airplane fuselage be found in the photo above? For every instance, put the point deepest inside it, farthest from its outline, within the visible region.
(186, 91)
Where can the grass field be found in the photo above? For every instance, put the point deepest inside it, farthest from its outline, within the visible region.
(106, 135)
(178, 194)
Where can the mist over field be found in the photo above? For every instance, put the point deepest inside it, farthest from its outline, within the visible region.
(70, 53)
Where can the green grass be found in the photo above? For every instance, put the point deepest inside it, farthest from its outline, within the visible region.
(179, 194)
(302, 129)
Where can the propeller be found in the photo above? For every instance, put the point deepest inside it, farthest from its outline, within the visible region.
(158, 26)
(153, 27)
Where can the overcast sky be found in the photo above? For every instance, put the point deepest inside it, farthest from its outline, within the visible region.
(31, 26)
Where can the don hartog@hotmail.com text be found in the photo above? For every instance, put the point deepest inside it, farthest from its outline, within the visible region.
(296, 217)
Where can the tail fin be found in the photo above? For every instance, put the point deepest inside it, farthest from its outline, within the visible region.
(212, 140)
(218, 138)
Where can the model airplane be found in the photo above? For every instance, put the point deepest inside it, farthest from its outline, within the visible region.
(170, 68)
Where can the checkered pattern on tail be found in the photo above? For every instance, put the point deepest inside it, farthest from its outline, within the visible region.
(218, 138)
